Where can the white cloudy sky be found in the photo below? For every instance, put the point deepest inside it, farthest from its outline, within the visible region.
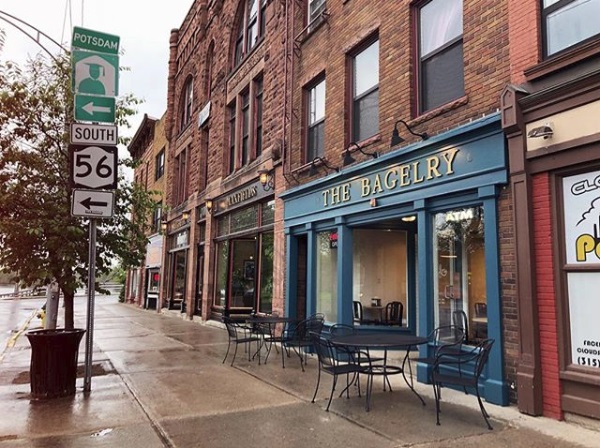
(143, 25)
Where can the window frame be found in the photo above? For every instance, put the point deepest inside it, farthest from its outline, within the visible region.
(159, 164)
(312, 18)
(187, 104)
(242, 45)
(246, 125)
(310, 154)
(157, 217)
(355, 99)
(181, 176)
(421, 60)
(544, 13)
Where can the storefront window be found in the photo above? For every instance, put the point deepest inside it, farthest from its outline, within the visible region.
(379, 275)
(268, 213)
(179, 280)
(459, 271)
(327, 301)
(244, 219)
(266, 274)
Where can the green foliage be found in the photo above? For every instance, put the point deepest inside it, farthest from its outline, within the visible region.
(39, 239)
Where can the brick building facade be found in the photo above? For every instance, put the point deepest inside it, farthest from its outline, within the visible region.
(549, 116)
(148, 148)
(281, 176)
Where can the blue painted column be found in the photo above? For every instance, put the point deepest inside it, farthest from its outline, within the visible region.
(496, 388)
(311, 271)
(291, 274)
(344, 271)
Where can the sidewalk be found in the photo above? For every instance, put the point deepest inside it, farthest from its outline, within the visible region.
(158, 381)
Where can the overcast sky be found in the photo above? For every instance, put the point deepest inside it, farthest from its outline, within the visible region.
(143, 25)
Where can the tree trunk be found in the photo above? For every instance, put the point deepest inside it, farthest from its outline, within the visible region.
(68, 301)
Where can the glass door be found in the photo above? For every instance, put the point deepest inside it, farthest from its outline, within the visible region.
(199, 281)
(243, 273)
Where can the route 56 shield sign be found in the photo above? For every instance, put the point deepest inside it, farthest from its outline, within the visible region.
(93, 167)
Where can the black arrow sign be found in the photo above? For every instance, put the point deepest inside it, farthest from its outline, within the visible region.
(87, 203)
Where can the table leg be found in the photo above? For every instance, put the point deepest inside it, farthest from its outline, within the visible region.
(410, 384)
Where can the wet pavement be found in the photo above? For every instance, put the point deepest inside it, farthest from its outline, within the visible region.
(159, 381)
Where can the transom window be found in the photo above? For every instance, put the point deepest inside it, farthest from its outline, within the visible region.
(440, 53)
(246, 126)
(568, 22)
(316, 121)
(251, 28)
(187, 101)
(365, 92)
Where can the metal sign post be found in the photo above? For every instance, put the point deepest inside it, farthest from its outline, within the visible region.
(89, 334)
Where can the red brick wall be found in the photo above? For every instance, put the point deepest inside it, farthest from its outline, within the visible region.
(546, 295)
(524, 33)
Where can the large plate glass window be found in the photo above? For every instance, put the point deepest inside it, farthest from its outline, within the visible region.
(459, 272)
(327, 259)
(380, 276)
(440, 53)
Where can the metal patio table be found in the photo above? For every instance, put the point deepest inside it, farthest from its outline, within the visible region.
(384, 341)
(271, 323)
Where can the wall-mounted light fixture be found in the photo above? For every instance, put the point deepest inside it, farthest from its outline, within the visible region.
(396, 139)
(164, 226)
(411, 218)
(266, 179)
(318, 162)
(348, 159)
(544, 131)
(209, 205)
(185, 215)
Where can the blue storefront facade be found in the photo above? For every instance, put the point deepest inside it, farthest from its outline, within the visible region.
(417, 225)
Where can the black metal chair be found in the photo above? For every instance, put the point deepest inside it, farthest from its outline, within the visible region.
(393, 313)
(357, 311)
(332, 363)
(480, 323)
(459, 318)
(240, 334)
(461, 371)
(362, 357)
(298, 337)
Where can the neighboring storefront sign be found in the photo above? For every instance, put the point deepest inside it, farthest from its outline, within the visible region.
(581, 195)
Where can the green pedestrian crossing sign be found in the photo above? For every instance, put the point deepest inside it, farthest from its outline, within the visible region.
(95, 73)
(100, 109)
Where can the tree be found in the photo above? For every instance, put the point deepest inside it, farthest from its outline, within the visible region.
(40, 241)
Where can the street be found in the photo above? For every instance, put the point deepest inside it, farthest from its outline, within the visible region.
(159, 381)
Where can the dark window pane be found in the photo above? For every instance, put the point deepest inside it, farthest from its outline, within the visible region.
(366, 116)
(442, 77)
(316, 141)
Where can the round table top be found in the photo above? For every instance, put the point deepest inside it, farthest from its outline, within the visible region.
(379, 340)
(271, 319)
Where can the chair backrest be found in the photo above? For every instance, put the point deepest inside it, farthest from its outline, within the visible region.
(485, 347)
(480, 309)
(358, 310)
(341, 330)
(393, 313)
(231, 327)
(304, 328)
(325, 351)
(459, 319)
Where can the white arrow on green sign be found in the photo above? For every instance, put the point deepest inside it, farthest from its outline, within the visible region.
(94, 108)
(95, 40)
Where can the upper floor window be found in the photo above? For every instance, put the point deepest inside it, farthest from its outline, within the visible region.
(315, 9)
(246, 125)
(315, 139)
(187, 101)
(159, 165)
(250, 29)
(157, 217)
(441, 63)
(568, 22)
(365, 92)
(181, 176)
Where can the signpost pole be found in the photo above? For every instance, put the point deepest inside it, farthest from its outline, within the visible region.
(89, 339)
